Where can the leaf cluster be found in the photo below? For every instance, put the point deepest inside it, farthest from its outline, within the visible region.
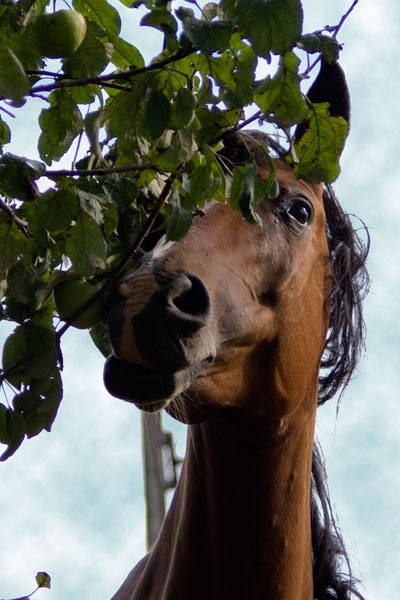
(152, 132)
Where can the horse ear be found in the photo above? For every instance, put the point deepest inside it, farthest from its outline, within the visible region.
(239, 145)
(329, 86)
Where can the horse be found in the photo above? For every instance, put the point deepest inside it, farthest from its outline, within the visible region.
(241, 332)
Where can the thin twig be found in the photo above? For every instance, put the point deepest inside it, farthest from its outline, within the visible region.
(44, 73)
(94, 172)
(342, 20)
(333, 29)
(235, 128)
(7, 112)
(20, 223)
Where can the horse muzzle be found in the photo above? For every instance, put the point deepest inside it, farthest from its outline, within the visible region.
(160, 349)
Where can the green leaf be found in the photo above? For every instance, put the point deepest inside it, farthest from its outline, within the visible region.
(270, 25)
(4, 437)
(121, 190)
(43, 580)
(42, 354)
(162, 20)
(179, 218)
(15, 427)
(100, 12)
(208, 37)
(90, 203)
(241, 92)
(60, 124)
(17, 175)
(13, 244)
(247, 190)
(126, 55)
(132, 3)
(319, 149)
(14, 352)
(280, 98)
(22, 283)
(59, 208)
(39, 402)
(26, 404)
(203, 184)
(227, 9)
(209, 11)
(184, 108)
(180, 151)
(101, 339)
(51, 391)
(111, 220)
(223, 73)
(85, 94)
(5, 133)
(125, 119)
(85, 246)
(157, 112)
(317, 42)
(14, 83)
(23, 44)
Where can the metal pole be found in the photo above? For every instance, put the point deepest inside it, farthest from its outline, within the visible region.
(158, 458)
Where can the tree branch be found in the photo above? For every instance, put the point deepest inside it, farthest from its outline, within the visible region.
(102, 80)
(20, 223)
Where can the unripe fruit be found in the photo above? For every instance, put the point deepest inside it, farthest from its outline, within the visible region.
(70, 295)
(59, 34)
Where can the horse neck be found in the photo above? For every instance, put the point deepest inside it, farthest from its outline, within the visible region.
(239, 523)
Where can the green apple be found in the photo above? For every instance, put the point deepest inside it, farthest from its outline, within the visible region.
(59, 34)
(70, 295)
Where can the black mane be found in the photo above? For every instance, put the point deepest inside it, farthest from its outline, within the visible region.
(350, 283)
(343, 348)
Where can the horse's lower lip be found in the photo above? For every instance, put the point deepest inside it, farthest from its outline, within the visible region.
(135, 383)
(148, 388)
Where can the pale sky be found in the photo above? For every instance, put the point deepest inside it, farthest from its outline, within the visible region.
(71, 502)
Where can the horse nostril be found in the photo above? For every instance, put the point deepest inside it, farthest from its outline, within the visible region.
(192, 299)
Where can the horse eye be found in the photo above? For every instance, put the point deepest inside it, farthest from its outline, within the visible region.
(301, 211)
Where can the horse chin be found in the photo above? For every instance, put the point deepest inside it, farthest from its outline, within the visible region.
(149, 389)
(189, 411)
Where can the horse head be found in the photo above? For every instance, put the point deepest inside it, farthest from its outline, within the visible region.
(232, 315)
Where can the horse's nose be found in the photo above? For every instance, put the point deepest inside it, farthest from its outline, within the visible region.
(162, 332)
(186, 301)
